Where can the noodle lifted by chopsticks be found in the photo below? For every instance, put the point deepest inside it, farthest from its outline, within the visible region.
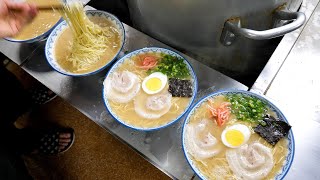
(89, 40)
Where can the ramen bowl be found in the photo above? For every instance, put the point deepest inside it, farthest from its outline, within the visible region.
(52, 41)
(39, 28)
(221, 160)
(138, 116)
(41, 37)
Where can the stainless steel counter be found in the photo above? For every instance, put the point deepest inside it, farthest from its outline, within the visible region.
(295, 88)
(18, 52)
(161, 148)
(291, 80)
(280, 54)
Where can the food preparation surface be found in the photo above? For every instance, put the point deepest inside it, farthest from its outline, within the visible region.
(294, 88)
(296, 91)
(18, 52)
(279, 56)
(162, 148)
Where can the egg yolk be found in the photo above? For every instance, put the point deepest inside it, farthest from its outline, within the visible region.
(234, 137)
(153, 84)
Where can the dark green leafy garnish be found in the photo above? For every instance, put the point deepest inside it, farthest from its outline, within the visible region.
(172, 66)
(180, 88)
(273, 130)
(247, 108)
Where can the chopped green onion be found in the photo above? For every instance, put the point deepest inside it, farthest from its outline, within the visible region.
(247, 108)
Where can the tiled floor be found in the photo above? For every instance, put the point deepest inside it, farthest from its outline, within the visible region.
(94, 155)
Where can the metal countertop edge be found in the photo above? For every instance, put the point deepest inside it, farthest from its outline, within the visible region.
(265, 79)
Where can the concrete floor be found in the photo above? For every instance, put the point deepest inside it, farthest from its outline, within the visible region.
(95, 153)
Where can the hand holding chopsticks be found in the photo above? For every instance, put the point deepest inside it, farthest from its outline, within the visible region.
(13, 16)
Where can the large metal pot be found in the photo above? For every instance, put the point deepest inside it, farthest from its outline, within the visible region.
(212, 30)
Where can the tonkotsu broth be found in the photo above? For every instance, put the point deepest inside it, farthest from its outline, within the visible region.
(42, 22)
(63, 47)
(126, 112)
(217, 167)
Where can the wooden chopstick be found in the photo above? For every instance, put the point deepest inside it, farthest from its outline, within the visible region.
(44, 8)
(48, 8)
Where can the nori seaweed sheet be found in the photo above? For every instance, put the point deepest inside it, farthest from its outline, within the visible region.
(273, 130)
(180, 88)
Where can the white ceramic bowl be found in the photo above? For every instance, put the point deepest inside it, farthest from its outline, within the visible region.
(291, 146)
(53, 37)
(142, 51)
(41, 37)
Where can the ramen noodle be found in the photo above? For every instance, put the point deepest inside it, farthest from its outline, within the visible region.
(88, 43)
(216, 152)
(150, 100)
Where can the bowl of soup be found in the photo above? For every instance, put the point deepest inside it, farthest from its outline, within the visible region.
(59, 46)
(149, 89)
(237, 135)
(41, 26)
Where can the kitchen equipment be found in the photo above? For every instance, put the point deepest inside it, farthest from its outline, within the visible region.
(212, 31)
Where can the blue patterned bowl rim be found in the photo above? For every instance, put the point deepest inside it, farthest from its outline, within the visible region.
(141, 51)
(291, 143)
(37, 38)
(49, 48)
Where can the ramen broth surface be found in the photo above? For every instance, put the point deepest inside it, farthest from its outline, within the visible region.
(218, 166)
(44, 21)
(126, 111)
(63, 48)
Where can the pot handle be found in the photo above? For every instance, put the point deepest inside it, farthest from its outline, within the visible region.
(232, 28)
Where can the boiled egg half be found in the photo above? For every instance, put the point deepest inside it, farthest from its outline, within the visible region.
(154, 83)
(236, 135)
